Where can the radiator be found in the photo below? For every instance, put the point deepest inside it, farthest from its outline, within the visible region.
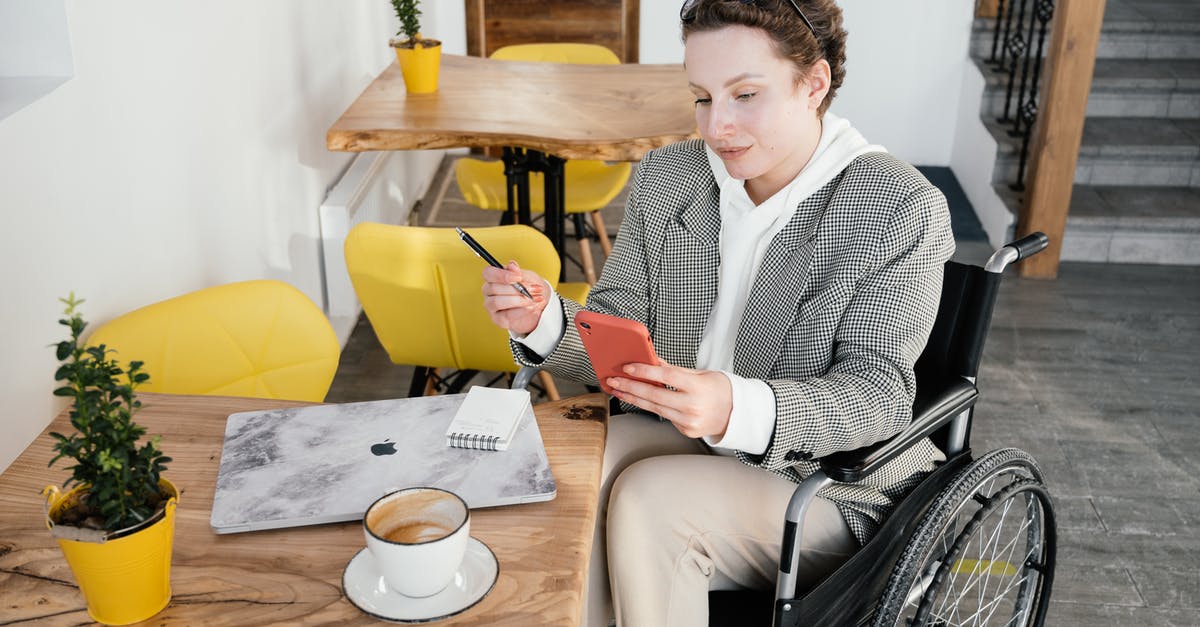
(371, 190)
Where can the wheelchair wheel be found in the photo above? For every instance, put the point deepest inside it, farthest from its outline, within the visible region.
(983, 554)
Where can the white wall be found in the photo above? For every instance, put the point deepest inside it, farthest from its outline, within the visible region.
(189, 148)
(187, 151)
(974, 160)
(33, 38)
(35, 51)
(904, 69)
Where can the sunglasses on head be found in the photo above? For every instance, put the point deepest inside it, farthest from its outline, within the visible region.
(686, 14)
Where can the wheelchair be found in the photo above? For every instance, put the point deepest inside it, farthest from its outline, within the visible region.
(973, 544)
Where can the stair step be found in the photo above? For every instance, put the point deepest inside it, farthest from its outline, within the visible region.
(1151, 30)
(1116, 205)
(1133, 225)
(1121, 151)
(1136, 197)
(1122, 224)
(1168, 88)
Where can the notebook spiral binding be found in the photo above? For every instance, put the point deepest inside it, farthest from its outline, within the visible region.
(473, 441)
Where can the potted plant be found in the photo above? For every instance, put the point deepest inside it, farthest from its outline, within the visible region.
(116, 525)
(419, 58)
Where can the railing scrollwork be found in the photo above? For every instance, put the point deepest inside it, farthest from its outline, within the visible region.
(1019, 24)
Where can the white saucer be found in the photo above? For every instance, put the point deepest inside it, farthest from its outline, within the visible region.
(365, 588)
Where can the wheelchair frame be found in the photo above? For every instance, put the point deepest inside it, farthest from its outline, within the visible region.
(961, 491)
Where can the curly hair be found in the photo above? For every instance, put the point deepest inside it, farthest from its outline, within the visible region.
(792, 38)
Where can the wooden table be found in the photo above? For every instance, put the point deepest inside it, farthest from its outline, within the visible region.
(548, 112)
(293, 576)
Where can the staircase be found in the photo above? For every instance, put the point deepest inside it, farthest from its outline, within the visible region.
(1136, 196)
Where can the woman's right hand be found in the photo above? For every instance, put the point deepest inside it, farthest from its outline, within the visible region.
(508, 308)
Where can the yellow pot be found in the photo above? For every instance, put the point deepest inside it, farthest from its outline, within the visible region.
(420, 67)
(126, 579)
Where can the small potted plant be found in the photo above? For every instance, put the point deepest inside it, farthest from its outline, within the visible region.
(116, 525)
(419, 58)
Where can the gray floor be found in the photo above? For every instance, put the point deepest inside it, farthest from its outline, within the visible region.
(1097, 374)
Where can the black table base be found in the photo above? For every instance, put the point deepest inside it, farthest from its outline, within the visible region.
(518, 163)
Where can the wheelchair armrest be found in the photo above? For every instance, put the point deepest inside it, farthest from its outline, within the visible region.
(929, 414)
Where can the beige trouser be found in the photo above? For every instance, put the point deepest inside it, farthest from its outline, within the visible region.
(677, 521)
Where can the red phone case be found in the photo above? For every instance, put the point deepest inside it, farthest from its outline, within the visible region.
(612, 342)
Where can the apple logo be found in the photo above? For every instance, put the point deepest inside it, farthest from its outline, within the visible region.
(387, 447)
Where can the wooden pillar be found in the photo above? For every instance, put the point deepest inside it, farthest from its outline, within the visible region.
(1054, 149)
(987, 8)
(630, 29)
(476, 28)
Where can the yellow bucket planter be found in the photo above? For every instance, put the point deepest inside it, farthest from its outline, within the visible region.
(125, 576)
(419, 64)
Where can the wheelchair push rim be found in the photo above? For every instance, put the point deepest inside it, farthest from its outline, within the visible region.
(983, 555)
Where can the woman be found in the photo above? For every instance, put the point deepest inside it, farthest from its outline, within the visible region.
(789, 273)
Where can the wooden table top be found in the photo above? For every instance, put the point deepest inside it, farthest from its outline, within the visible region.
(609, 112)
(293, 576)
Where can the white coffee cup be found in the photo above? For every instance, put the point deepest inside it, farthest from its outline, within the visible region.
(418, 537)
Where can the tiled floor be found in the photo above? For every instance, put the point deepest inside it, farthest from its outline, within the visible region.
(1096, 374)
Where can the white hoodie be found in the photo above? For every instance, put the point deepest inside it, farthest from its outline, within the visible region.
(746, 231)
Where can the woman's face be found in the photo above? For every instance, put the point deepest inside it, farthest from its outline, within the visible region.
(749, 108)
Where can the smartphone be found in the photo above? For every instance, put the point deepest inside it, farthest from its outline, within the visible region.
(611, 342)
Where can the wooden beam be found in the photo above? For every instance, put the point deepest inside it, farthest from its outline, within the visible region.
(1054, 149)
(476, 28)
(629, 31)
(987, 8)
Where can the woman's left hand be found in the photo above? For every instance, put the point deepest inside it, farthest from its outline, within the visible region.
(697, 402)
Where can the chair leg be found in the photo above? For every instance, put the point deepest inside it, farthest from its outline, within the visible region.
(601, 233)
(548, 382)
(460, 381)
(585, 259)
(420, 381)
(431, 384)
(585, 249)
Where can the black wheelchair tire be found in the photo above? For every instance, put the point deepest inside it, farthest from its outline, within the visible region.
(929, 539)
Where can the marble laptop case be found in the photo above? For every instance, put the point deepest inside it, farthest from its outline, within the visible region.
(327, 463)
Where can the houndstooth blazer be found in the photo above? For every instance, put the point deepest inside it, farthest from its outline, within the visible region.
(840, 310)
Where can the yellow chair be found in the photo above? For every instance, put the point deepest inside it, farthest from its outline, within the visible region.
(262, 339)
(589, 185)
(421, 289)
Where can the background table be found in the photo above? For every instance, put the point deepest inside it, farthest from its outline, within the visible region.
(293, 576)
(543, 113)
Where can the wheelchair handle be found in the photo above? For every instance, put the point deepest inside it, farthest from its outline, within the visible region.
(1012, 252)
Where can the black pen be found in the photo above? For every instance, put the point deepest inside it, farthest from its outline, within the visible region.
(486, 256)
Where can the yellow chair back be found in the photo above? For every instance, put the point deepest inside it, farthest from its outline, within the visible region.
(262, 339)
(421, 288)
(558, 53)
(590, 185)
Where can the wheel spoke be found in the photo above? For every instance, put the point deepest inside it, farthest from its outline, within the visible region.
(996, 539)
(1012, 547)
(971, 578)
(985, 551)
(995, 551)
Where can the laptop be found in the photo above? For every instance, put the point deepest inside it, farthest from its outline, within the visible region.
(327, 463)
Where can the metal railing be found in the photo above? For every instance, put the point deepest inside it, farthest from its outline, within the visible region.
(1019, 25)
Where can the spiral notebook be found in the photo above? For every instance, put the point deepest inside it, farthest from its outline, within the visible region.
(326, 463)
(488, 418)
